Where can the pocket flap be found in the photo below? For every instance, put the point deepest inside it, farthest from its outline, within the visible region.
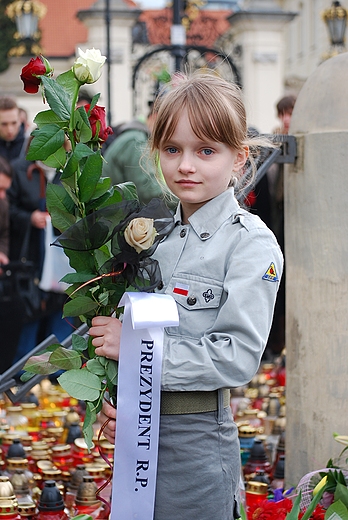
(194, 293)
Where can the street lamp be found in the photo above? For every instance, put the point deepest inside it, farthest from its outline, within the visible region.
(335, 18)
(26, 14)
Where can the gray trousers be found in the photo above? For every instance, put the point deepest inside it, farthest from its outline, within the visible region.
(198, 466)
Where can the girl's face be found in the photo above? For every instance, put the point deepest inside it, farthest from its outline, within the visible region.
(196, 171)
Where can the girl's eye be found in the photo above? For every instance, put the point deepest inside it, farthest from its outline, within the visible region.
(207, 151)
(171, 149)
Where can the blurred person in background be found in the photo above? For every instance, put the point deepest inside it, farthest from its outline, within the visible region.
(9, 302)
(27, 197)
(13, 139)
(275, 175)
(124, 154)
(5, 183)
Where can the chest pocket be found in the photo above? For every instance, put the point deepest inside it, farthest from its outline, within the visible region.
(198, 302)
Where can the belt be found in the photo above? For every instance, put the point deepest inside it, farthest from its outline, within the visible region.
(176, 403)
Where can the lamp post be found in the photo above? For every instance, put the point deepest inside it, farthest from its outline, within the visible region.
(177, 34)
(108, 60)
(26, 14)
(335, 18)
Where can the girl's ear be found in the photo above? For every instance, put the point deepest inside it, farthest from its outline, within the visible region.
(241, 159)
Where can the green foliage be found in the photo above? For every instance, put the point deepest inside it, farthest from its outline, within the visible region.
(92, 216)
(335, 484)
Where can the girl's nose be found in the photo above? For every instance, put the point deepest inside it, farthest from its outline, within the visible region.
(186, 165)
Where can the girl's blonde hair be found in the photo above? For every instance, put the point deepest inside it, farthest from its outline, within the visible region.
(215, 109)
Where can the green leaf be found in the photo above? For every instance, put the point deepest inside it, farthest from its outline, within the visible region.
(90, 418)
(78, 277)
(128, 190)
(40, 365)
(81, 151)
(26, 376)
(60, 206)
(94, 101)
(66, 359)
(57, 160)
(100, 202)
(81, 261)
(295, 511)
(47, 140)
(112, 371)
(57, 98)
(242, 513)
(101, 256)
(79, 343)
(114, 197)
(82, 127)
(82, 517)
(81, 384)
(336, 511)
(102, 187)
(90, 176)
(91, 348)
(48, 117)
(341, 493)
(79, 306)
(68, 81)
(94, 366)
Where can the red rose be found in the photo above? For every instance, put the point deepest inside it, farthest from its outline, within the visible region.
(97, 120)
(269, 510)
(31, 73)
(318, 513)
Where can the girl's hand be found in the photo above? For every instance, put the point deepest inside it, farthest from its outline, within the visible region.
(107, 335)
(108, 413)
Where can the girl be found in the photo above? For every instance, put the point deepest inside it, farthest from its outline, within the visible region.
(222, 265)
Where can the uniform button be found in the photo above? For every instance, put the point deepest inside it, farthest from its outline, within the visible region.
(205, 235)
(160, 286)
(183, 233)
(191, 300)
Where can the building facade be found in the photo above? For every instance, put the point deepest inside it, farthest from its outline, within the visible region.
(273, 44)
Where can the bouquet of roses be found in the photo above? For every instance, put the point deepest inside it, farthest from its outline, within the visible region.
(108, 237)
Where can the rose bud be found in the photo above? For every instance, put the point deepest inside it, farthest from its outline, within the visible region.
(87, 67)
(31, 73)
(97, 120)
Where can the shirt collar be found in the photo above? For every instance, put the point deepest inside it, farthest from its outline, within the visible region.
(207, 219)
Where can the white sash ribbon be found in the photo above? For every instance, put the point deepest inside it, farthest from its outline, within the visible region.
(138, 403)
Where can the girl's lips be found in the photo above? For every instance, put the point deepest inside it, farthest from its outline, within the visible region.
(187, 183)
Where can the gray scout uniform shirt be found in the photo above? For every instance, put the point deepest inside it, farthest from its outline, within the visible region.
(223, 269)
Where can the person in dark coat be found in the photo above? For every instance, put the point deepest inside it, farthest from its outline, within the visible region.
(9, 302)
(28, 214)
(13, 138)
(5, 183)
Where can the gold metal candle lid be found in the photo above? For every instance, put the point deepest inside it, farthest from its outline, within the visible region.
(257, 488)
(13, 464)
(86, 492)
(60, 449)
(27, 509)
(77, 476)
(246, 431)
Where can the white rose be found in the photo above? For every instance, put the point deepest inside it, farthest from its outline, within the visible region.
(87, 67)
(140, 233)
